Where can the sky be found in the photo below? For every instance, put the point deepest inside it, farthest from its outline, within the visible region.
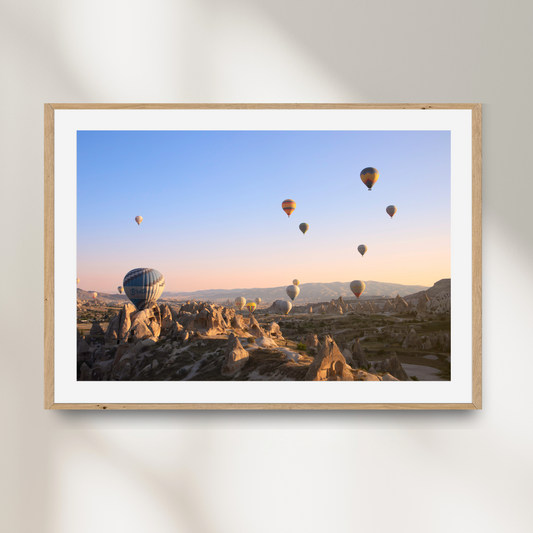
(211, 203)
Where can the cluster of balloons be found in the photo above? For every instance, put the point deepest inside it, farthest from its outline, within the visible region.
(240, 303)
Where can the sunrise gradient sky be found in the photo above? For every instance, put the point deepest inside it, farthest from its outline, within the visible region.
(211, 202)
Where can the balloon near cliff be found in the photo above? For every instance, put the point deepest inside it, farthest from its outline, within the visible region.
(143, 285)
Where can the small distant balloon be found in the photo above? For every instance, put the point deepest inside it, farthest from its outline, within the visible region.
(138, 219)
(369, 176)
(304, 227)
(288, 206)
(240, 302)
(283, 306)
(251, 306)
(77, 280)
(94, 295)
(120, 289)
(296, 282)
(258, 301)
(391, 210)
(362, 249)
(357, 287)
(293, 291)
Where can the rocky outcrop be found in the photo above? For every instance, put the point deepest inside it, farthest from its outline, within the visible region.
(358, 355)
(311, 340)
(440, 304)
(238, 323)
(358, 307)
(334, 309)
(393, 366)
(329, 364)
(255, 329)
(388, 307)
(401, 305)
(274, 331)
(421, 307)
(97, 334)
(235, 357)
(145, 323)
(412, 340)
(368, 308)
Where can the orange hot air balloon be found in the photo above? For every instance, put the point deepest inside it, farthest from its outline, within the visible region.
(357, 287)
(369, 176)
(138, 219)
(288, 206)
(77, 280)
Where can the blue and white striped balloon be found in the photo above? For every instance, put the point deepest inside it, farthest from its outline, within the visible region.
(143, 285)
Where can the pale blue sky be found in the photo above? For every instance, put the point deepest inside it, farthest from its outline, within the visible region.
(211, 202)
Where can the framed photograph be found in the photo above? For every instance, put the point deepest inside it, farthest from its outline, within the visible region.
(263, 256)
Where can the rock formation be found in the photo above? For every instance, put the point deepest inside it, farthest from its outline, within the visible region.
(235, 357)
(358, 355)
(329, 364)
(393, 366)
(421, 308)
(412, 340)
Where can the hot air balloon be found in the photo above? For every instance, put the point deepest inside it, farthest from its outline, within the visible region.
(288, 206)
(304, 227)
(362, 249)
(283, 306)
(143, 285)
(138, 219)
(295, 282)
(94, 295)
(120, 289)
(293, 291)
(77, 280)
(357, 287)
(258, 301)
(251, 306)
(240, 302)
(391, 210)
(369, 176)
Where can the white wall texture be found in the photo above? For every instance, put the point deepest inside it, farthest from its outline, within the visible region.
(204, 472)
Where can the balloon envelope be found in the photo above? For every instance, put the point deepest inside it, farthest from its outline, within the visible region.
(362, 249)
(251, 306)
(296, 282)
(240, 302)
(391, 210)
(288, 206)
(357, 287)
(258, 301)
(304, 227)
(120, 289)
(138, 219)
(369, 176)
(94, 295)
(77, 280)
(293, 291)
(283, 306)
(143, 285)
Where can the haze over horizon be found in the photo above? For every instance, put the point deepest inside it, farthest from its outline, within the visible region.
(211, 202)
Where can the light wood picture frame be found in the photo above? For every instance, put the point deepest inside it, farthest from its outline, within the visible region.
(62, 121)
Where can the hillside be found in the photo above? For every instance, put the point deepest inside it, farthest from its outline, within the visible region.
(443, 285)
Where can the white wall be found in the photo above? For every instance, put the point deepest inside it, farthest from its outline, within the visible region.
(64, 472)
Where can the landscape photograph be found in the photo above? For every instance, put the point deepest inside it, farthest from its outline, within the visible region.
(224, 255)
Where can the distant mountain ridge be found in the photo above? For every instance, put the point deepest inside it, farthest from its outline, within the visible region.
(309, 293)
